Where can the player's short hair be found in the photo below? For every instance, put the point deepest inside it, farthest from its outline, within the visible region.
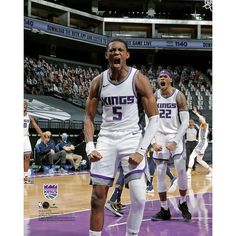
(118, 40)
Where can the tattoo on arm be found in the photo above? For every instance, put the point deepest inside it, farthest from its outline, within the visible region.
(181, 102)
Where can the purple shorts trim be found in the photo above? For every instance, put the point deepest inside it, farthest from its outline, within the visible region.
(101, 177)
(137, 171)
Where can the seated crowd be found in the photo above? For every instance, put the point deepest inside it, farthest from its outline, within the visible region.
(70, 81)
(56, 156)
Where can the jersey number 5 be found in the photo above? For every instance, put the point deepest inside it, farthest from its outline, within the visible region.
(117, 114)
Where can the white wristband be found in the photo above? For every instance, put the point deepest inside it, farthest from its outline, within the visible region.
(89, 147)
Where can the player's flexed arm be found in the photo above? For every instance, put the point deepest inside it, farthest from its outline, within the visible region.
(144, 91)
(90, 111)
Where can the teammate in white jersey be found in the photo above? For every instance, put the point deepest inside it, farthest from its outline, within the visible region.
(123, 91)
(27, 145)
(201, 147)
(169, 142)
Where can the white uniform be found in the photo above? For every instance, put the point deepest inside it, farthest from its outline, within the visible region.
(202, 140)
(120, 132)
(27, 144)
(168, 125)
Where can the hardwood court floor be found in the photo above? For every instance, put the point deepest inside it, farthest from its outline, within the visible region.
(74, 192)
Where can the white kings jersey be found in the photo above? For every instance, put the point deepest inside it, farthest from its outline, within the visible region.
(26, 125)
(120, 104)
(169, 121)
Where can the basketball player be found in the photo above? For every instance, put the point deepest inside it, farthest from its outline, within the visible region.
(201, 147)
(152, 167)
(123, 91)
(191, 142)
(27, 145)
(169, 142)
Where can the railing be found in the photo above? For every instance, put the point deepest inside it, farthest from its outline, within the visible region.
(71, 126)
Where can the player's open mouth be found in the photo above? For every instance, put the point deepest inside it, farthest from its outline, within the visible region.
(117, 61)
(163, 83)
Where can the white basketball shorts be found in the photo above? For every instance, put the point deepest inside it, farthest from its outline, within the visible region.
(115, 148)
(165, 154)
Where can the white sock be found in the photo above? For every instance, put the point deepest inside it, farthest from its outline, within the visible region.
(182, 199)
(95, 233)
(164, 204)
(26, 174)
(29, 172)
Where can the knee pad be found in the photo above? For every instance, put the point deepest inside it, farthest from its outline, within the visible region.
(161, 176)
(181, 171)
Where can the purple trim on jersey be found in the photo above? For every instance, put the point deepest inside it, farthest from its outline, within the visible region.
(109, 79)
(166, 97)
(133, 84)
(137, 171)
(100, 86)
(101, 176)
(141, 122)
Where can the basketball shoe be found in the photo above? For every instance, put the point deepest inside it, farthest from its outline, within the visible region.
(162, 215)
(111, 206)
(183, 207)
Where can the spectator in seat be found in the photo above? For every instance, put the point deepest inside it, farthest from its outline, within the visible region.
(69, 148)
(47, 152)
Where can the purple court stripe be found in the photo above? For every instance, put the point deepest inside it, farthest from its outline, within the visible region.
(77, 224)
